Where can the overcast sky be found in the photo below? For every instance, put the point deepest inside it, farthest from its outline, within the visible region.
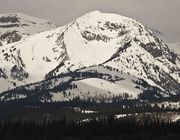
(163, 15)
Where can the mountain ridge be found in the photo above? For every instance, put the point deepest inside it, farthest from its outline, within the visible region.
(15, 26)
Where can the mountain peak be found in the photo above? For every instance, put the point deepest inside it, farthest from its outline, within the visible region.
(103, 14)
(94, 12)
(94, 18)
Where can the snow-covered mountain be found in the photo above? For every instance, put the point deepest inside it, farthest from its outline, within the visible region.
(15, 26)
(98, 56)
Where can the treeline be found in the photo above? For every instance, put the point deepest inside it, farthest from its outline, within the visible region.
(94, 129)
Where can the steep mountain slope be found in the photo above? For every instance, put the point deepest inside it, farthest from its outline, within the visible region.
(116, 43)
(15, 26)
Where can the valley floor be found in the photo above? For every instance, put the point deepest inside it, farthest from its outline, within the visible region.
(90, 121)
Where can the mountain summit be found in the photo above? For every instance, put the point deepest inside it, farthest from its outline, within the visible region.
(98, 55)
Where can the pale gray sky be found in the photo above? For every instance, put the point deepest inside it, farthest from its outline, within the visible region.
(163, 15)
